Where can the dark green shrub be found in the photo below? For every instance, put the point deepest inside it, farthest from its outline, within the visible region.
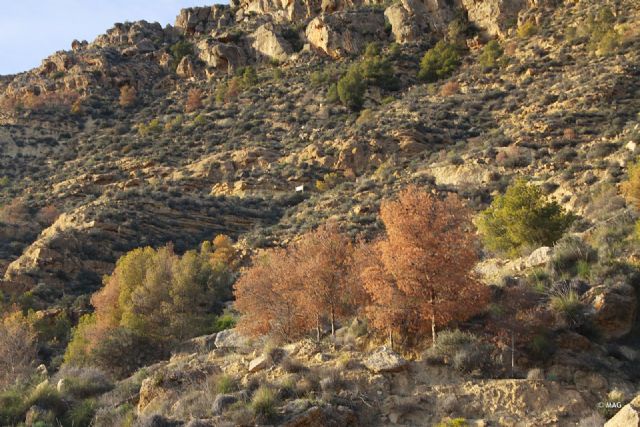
(603, 38)
(225, 321)
(12, 407)
(351, 88)
(522, 217)
(439, 62)
(249, 77)
(178, 51)
(491, 53)
(379, 72)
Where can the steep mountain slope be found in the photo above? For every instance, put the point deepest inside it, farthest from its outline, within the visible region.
(127, 175)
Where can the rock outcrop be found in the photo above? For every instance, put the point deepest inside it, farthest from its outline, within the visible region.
(186, 68)
(408, 19)
(202, 20)
(268, 44)
(494, 16)
(222, 57)
(345, 33)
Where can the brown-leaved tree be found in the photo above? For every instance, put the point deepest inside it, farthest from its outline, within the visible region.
(420, 276)
(266, 295)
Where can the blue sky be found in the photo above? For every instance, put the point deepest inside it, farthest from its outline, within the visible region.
(31, 30)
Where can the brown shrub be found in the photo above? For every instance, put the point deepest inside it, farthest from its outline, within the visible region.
(449, 88)
(128, 96)
(194, 101)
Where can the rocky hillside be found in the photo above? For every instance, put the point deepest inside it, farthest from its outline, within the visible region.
(154, 168)
(261, 120)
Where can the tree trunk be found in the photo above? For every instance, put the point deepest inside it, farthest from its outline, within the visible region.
(433, 318)
(333, 322)
(318, 328)
(391, 338)
(513, 357)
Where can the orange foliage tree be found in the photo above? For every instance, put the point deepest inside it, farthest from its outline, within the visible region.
(266, 295)
(324, 259)
(18, 348)
(421, 274)
(288, 291)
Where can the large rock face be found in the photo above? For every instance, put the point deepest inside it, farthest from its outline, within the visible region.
(494, 16)
(613, 309)
(408, 20)
(267, 43)
(201, 20)
(223, 57)
(346, 33)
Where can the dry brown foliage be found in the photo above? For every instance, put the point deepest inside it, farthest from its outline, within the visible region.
(420, 276)
(450, 88)
(18, 349)
(289, 291)
(128, 96)
(194, 101)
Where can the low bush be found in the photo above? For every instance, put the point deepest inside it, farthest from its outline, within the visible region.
(463, 350)
(225, 384)
(263, 404)
(565, 301)
(178, 51)
(491, 54)
(527, 29)
(351, 89)
(568, 254)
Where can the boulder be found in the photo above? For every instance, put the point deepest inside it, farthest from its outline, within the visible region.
(268, 44)
(258, 364)
(538, 257)
(221, 56)
(408, 20)
(222, 402)
(231, 339)
(345, 33)
(612, 309)
(385, 360)
(186, 68)
(628, 416)
(494, 16)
